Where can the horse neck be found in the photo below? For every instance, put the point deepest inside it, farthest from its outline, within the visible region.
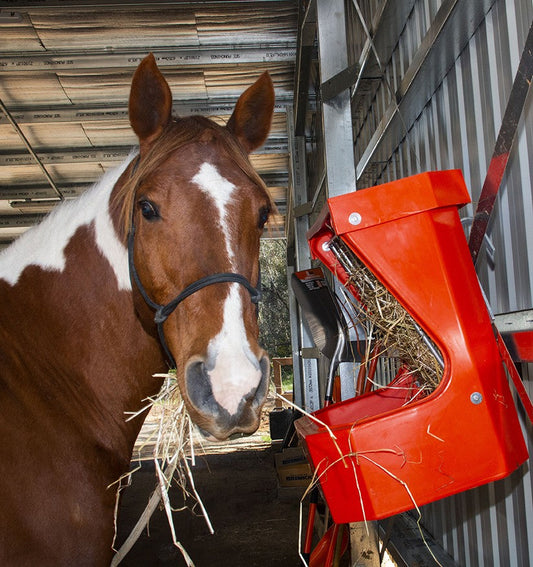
(89, 354)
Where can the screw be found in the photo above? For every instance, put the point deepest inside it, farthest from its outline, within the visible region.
(476, 398)
(355, 219)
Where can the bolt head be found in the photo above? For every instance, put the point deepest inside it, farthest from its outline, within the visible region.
(476, 398)
(355, 219)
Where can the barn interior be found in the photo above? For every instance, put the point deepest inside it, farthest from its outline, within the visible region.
(368, 92)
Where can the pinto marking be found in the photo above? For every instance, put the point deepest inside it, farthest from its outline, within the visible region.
(44, 245)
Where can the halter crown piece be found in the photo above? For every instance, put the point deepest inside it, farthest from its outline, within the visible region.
(162, 312)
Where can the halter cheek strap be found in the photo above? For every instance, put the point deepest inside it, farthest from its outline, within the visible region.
(162, 312)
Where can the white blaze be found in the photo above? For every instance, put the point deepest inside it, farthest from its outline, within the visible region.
(220, 190)
(236, 370)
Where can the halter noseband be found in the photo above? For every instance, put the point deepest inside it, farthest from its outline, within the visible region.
(162, 312)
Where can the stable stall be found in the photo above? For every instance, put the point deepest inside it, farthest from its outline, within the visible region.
(399, 166)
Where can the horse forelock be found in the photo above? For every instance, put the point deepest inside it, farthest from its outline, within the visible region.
(44, 244)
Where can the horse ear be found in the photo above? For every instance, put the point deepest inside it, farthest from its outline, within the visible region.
(150, 106)
(252, 116)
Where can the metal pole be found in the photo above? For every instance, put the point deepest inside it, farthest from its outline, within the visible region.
(30, 149)
(306, 384)
(341, 179)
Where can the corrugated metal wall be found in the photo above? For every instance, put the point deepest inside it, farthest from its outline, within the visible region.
(491, 525)
(457, 128)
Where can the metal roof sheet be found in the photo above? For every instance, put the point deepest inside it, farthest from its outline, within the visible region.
(65, 73)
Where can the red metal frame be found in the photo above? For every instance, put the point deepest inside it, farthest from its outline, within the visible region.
(396, 456)
(502, 149)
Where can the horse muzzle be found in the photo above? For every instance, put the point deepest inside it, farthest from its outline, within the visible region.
(226, 395)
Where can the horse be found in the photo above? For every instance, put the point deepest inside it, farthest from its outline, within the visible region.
(156, 265)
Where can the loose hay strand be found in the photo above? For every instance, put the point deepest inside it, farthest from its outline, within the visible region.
(164, 484)
(405, 485)
(354, 456)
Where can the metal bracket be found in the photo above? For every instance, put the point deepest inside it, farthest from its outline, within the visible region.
(310, 352)
(302, 210)
(515, 322)
(340, 82)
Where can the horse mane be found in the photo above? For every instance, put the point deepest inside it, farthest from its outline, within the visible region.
(177, 134)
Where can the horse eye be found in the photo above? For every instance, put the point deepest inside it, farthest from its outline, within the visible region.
(263, 216)
(149, 210)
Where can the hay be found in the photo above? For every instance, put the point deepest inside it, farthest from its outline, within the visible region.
(388, 321)
(172, 450)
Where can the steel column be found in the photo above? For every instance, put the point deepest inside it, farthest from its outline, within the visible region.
(340, 167)
(306, 385)
(337, 119)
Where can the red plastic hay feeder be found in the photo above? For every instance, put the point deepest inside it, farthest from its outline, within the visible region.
(463, 434)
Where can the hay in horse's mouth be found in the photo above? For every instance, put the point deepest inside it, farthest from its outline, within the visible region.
(172, 450)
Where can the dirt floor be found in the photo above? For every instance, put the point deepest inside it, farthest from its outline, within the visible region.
(255, 520)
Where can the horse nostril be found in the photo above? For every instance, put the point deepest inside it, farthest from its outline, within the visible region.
(199, 388)
(258, 396)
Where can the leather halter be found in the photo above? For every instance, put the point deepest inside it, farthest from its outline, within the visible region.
(162, 312)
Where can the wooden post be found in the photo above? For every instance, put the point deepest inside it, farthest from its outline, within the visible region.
(277, 363)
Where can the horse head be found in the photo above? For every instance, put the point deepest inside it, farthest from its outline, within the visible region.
(196, 210)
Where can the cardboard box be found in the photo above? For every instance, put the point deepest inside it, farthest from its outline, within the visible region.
(292, 467)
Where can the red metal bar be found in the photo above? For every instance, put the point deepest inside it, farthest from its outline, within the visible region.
(372, 368)
(308, 542)
(361, 379)
(332, 546)
(502, 148)
(517, 381)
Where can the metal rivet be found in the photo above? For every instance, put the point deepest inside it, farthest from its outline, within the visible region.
(325, 246)
(355, 219)
(476, 398)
